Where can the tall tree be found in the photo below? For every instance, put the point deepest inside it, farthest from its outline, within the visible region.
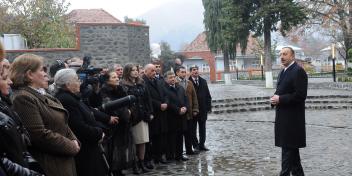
(273, 15)
(42, 22)
(223, 28)
(167, 56)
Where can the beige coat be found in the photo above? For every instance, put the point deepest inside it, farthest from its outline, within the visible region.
(46, 121)
(192, 97)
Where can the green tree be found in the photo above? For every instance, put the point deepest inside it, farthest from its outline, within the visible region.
(274, 15)
(131, 20)
(225, 31)
(42, 22)
(166, 56)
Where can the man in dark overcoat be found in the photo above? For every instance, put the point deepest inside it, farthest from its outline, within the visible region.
(289, 101)
(158, 126)
(177, 119)
(204, 104)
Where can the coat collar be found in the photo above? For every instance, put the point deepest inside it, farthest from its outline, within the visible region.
(46, 99)
(284, 73)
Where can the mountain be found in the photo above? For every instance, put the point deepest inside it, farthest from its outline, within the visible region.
(177, 22)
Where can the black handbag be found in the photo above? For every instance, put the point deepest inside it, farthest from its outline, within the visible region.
(32, 163)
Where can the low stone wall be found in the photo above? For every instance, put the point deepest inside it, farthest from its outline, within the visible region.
(332, 85)
(106, 43)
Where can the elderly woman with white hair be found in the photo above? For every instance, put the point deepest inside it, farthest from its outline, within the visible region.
(89, 160)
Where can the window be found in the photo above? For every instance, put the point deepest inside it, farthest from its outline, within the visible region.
(205, 68)
(256, 64)
(232, 65)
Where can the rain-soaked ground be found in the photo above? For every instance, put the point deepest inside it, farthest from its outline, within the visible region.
(243, 143)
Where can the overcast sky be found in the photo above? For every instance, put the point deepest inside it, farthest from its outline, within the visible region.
(119, 8)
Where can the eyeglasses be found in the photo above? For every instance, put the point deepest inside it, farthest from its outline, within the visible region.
(119, 69)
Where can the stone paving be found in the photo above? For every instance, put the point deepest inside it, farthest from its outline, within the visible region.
(243, 143)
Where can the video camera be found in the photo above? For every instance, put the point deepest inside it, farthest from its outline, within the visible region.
(87, 73)
(115, 104)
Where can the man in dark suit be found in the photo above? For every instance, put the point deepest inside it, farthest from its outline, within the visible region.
(158, 126)
(289, 100)
(176, 112)
(204, 104)
(158, 74)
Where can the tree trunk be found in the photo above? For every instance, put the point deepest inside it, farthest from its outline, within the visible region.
(267, 53)
(226, 61)
(349, 33)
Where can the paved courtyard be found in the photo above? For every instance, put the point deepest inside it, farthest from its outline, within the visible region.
(243, 143)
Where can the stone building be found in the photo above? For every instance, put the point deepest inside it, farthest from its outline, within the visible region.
(102, 36)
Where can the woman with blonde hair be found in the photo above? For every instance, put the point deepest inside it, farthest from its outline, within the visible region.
(53, 143)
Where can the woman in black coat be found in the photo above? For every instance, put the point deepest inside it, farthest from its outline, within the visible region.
(89, 160)
(120, 145)
(13, 136)
(141, 110)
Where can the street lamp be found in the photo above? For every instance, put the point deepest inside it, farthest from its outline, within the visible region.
(333, 61)
(262, 65)
(236, 70)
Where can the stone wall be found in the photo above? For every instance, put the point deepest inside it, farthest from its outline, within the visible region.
(106, 43)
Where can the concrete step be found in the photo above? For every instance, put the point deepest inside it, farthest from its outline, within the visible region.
(264, 108)
(219, 101)
(266, 102)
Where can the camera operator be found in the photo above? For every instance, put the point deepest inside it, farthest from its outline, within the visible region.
(120, 144)
(91, 83)
(90, 160)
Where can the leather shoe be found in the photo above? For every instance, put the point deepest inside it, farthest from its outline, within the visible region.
(182, 158)
(164, 161)
(203, 148)
(192, 153)
(149, 165)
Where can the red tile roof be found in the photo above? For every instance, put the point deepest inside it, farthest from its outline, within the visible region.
(200, 44)
(91, 16)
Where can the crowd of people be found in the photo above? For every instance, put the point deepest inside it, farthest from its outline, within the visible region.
(102, 121)
(81, 120)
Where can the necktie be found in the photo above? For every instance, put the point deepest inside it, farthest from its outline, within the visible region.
(197, 82)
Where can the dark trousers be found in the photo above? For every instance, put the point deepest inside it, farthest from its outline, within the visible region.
(193, 126)
(179, 144)
(159, 145)
(191, 135)
(148, 151)
(171, 143)
(201, 130)
(291, 162)
(174, 145)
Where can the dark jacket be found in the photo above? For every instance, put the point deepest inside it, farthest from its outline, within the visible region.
(156, 90)
(82, 122)
(142, 108)
(110, 93)
(120, 144)
(177, 99)
(290, 112)
(14, 140)
(203, 97)
(46, 121)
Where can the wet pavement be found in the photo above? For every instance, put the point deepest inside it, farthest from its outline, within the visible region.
(243, 143)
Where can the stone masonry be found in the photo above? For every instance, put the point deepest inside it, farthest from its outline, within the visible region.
(106, 43)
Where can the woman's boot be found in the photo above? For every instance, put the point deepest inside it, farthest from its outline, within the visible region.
(135, 168)
(142, 166)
